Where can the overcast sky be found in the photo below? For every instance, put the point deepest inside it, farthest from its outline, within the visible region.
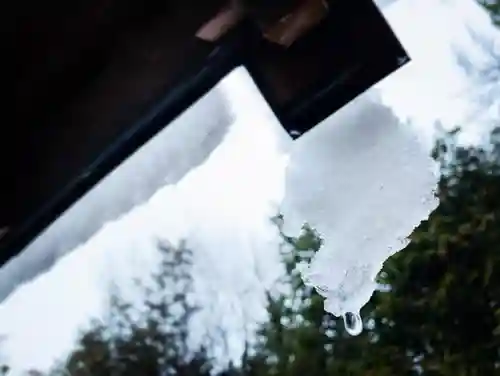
(227, 201)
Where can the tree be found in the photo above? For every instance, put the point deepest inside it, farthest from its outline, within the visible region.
(283, 339)
(442, 313)
(484, 72)
(150, 338)
(300, 337)
(439, 310)
(437, 315)
(493, 8)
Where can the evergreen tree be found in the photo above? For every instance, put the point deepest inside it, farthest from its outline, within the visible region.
(439, 310)
(438, 313)
(442, 313)
(149, 339)
(300, 337)
(493, 8)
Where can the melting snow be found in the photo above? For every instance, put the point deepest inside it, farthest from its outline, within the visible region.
(361, 178)
(222, 208)
(371, 185)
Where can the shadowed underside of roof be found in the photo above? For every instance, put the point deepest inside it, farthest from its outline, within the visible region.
(96, 79)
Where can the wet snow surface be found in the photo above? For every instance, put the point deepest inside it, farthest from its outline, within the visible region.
(371, 185)
(235, 171)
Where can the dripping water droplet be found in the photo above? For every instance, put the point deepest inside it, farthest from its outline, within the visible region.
(353, 323)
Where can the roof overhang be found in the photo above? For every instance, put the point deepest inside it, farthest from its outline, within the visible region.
(347, 50)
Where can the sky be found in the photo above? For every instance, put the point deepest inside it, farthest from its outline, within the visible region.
(434, 86)
(242, 184)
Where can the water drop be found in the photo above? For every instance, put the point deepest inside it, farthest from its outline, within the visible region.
(353, 323)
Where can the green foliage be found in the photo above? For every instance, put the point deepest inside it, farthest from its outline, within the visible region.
(300, 337)
(493, 8)
(148, 338)
(437, 315)
(442, 314)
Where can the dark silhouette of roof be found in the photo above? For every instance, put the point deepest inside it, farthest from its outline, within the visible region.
(96, 79)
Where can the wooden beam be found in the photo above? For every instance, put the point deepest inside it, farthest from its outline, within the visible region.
(285, 31)
(295, 24)
(218, 26)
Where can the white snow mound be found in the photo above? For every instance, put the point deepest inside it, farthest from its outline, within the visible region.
(364, 182)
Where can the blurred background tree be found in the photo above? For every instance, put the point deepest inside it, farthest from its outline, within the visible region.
(150, 338)
(300, 337)
(442, 313)
(437, 315)
(438, 312)
(492, 7)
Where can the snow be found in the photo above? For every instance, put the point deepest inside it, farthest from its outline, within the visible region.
(363, 199)
(371, 185)
(235, 193)
(164, 160)
(436, 87)
(342, 177)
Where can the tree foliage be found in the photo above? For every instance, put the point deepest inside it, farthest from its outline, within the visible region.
(439, 311)
(493, 8)
(442, 313)
(150, 338)
(438, 314)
